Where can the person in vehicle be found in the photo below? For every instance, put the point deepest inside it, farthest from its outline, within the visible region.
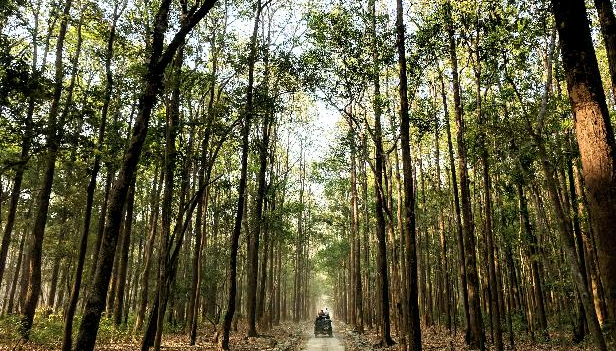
(322, 324)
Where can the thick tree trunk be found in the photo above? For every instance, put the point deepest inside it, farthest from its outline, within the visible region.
(595, 136)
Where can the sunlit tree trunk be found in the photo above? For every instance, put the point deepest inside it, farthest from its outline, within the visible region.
(594, 134)
(144, 281)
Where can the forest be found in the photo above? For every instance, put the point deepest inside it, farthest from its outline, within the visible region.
(208, 175)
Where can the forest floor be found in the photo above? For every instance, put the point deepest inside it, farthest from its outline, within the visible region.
(435, 338)
(286, 337)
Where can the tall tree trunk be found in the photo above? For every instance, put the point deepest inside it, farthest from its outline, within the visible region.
(533, 248)
(414, 331)
(454, 183)
(53, 144)
(268, 124)
(253, 244)
(26, 143)
(382, 271)
(144, 282)
(123, 267)
(168, 233)
(444, 269)
(595, 136)
(497, 332)
(359, 319)
(474, 331)
(202, 207)
(248, 113)
(83, 246)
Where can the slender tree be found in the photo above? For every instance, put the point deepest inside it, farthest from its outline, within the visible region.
(414, 331)
(237, 227)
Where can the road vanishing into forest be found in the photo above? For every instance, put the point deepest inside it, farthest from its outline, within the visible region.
(323, 343)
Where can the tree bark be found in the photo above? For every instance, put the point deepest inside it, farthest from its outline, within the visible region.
(444, 269)
(595, 136)
(497, 333)
(359, 320)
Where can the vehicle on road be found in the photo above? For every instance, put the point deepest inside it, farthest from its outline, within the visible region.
(323, 326)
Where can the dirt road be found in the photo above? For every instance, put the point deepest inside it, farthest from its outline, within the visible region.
(323, 343)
